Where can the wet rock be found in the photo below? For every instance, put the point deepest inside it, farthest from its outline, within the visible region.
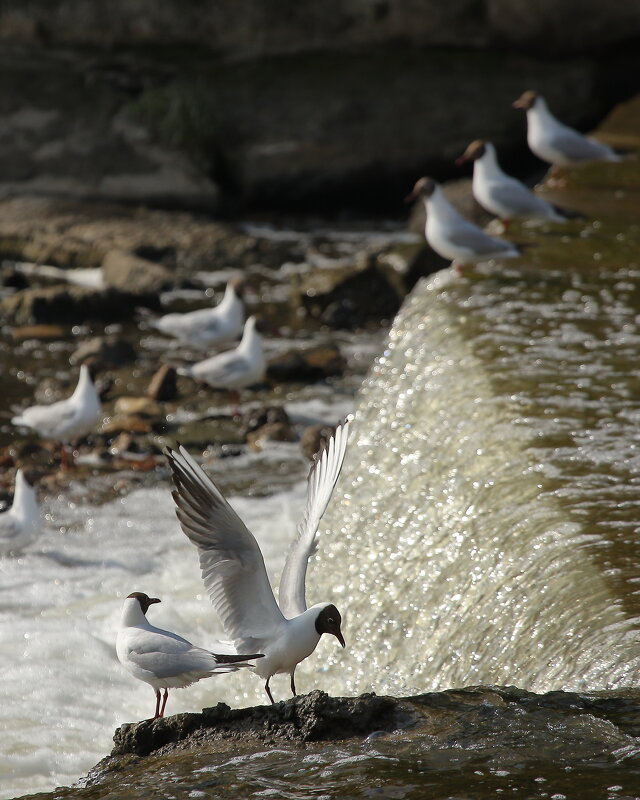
(105, 352)
(163, 385)
(71, 304)
(128, 423)
(348, 302)
(313, 364)
(305, 718)
(425, 262)
(264, 415)
(41, 332)
(314, 438)
(271, 432)
(12, 279)
(139, 406)
(127, 272)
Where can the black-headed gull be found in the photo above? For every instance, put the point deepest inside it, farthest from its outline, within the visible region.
(233, 569)
(209, 326)
(500, 194)
(235, 369)
(451, 235)
(66, 420)
(554, 142)
(163, 659)
(20, 524)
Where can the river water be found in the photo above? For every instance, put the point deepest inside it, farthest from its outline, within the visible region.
(485, 530)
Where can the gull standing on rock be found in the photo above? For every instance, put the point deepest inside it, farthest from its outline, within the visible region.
(235, 369)
(451, 235)
(500, 194)
(20, 524)
(209, 326)
(66, 420)
(163, 659)
(554, 142)
(233, 568)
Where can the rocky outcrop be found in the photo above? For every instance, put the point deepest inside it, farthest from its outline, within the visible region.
(217, 105)
(501, 727)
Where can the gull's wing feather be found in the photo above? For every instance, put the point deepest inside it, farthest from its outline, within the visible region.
(322, 480)
(232, 566)
(49, 421)
(470, 237)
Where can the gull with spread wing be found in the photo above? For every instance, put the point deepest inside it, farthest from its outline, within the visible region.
(234, 572)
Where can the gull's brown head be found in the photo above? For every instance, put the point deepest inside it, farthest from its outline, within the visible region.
(475, 150)
(424, 187)
(144, 600)
(526, 100)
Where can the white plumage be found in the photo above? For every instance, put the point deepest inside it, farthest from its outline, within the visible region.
(451, 235)
(163, 659)
(555, 142)
(208, 326)
(20, 525)
(499, 193)
(233, 568)
(68, 419)
(235, 369)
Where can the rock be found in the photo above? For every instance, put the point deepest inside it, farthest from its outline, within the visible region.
(313, 364)
(349, 300)
(264, 415)
(42, 332)
(127, 272)
(127, 423)
(315, 437)
(106, 352)
(271, 432)
(71, 304)
(163, 386)
(138, 406)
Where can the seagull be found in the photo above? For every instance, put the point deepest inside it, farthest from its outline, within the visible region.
(451, 235)
(554, 142)
(234, 369)
(66, 420)
(233, 569)
(500, 194)
(20, 524)
(163, 659)
(209, 326)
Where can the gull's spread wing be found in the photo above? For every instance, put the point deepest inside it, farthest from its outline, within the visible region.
(322, 480)
(232, 566)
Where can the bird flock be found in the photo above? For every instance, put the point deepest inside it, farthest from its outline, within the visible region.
(267, 636)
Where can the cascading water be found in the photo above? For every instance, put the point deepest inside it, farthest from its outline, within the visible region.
(485, 532)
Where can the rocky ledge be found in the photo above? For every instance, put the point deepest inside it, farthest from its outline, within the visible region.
(505, 726)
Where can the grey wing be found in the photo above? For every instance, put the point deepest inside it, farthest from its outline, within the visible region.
(322, 480)
(221, 370)
(577, 147)
(519, 199)
(232, 566)
(49, 421)
(470, 237)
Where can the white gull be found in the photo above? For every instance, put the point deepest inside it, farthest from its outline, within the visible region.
(68, 419)
(451, 235)
(233, 568)
(20, 524)
(208, 326)
(554, 142)
(500, 194)
(163, 659)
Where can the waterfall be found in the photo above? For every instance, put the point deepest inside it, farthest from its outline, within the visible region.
(484, 528)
